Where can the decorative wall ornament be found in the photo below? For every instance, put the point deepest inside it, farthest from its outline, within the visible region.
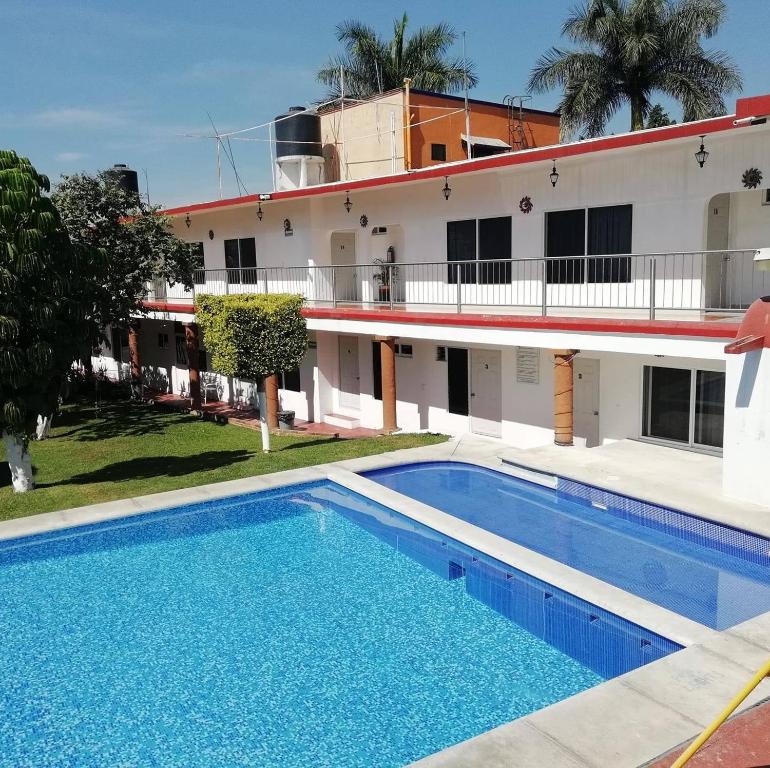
(525, 204)
(364, 220)
(287, 229)
(752, 178)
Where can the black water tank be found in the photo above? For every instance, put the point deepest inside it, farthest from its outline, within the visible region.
(125, 177)
(298, 132)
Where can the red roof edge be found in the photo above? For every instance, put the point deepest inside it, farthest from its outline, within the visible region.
(746, 107)
(752, 106)
(688, 328)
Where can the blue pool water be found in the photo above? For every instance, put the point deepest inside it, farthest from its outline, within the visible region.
(714, 574)
(306, 626)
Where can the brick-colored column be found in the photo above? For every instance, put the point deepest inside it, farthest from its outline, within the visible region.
(562, 396)
(388, 366)
(271, 393)
(135, 360)
(193, 364)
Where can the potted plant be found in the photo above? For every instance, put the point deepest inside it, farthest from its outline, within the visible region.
(385, 275)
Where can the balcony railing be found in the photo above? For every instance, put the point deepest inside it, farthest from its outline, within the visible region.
(694, 282)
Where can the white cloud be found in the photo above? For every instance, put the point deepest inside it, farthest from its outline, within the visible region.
(70, 157)
(76, 117)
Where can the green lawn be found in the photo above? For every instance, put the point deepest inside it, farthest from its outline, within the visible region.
(130, 450)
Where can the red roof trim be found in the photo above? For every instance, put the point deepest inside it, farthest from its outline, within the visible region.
(700, 329)
(165, 306)
(557, 151)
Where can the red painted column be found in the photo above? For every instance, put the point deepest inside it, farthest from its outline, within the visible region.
(135, 360)
(193, 364)
(271, 395)
(388, 366)
(562, 396)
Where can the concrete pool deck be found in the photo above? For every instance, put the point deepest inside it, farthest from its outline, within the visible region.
(625, 722)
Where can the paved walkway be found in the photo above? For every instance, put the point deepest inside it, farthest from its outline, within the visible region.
(249, 418)
(685, 480)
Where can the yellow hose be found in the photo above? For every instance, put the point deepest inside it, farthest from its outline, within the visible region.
(763, 672)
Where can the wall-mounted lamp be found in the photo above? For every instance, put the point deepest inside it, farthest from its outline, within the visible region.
(364, 220)
(348, 205)
(553, 175)
(702, 154)
(188, 220)
(288, 230)
(211, 234)
(259, 212)
(446, 189)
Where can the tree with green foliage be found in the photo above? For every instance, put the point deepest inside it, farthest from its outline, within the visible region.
(41, 317)
(139, 243)
(372, 65)
(658, 118)
(631, 49)
(252, 336)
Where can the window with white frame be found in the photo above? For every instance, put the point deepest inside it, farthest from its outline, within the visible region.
(241, 260)
(479, 240)
(684, 405)
(404, 350)
(603, 234)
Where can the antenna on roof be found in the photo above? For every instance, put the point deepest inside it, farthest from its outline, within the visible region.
(229, 155)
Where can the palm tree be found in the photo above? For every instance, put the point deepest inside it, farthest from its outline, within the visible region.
(631, 49)
(372, 65)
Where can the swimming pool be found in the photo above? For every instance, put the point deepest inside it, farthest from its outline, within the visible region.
(301, 626)
(711, 573)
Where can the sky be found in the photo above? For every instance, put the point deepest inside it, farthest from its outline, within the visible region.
(87, 84)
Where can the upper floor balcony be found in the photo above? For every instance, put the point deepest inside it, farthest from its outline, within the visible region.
(692, 285)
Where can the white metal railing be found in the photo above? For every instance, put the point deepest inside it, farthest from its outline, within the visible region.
(697, 281)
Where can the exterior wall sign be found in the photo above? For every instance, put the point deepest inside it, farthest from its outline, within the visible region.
(527, 365)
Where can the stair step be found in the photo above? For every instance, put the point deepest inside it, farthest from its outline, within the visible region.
(344, 422)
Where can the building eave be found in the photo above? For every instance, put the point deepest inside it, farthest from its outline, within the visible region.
(758, 106)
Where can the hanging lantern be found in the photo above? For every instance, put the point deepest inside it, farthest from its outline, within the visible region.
(259, 212)
(554, 175)
(188, 221)
(348, 205)
(702, 154)
(446, 190)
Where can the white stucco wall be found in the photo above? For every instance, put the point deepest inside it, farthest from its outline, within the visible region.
(747, 427)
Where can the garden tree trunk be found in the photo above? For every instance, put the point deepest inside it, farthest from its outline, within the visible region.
(271, 393)
(262, 400)
(135, 361)
(193, 364)
(19, 462)
(43, 426)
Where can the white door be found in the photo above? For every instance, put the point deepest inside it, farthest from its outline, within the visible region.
(586, 400)
(349, 379)
(344, 257)
(486, 392)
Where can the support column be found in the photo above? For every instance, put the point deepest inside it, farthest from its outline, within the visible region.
(271, 393)
(562, 396)
(388, 367)
(193, 364)
(135, 360)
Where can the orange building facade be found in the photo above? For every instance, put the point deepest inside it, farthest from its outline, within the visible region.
(406, 130)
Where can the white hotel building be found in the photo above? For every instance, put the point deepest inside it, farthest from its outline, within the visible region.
(520, 303)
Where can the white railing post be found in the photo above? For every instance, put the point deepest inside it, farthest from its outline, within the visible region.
(652, 287)
(544, 296)
(334, 286)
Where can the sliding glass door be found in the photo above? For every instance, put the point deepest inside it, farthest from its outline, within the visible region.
(684, 406)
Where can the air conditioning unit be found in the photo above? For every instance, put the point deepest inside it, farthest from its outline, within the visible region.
(379, 231)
